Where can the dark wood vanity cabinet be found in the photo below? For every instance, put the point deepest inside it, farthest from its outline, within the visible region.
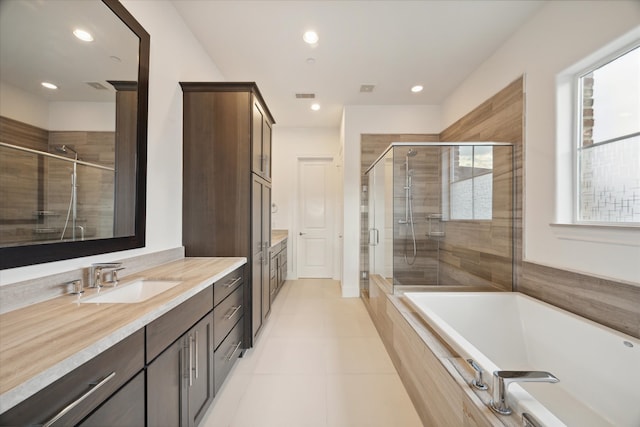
(180, 380)
(278, 268)
(88, 389)
(227, 184)
(180, 363)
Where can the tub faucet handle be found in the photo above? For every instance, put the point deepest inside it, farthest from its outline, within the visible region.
(502, 379)
(477, 382)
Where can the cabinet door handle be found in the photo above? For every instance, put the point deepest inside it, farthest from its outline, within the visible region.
(233, 313)
(190, 356)
(69, 407)
(195, 353)
(229, 357)
(233, 282)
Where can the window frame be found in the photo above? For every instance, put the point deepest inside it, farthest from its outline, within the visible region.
(577, 134)
(472, 178)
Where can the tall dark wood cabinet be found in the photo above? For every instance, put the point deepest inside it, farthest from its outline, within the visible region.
(226, 201)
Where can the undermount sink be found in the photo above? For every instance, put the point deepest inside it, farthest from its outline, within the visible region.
(132, 292)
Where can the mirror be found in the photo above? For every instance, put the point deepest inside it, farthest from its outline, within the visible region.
(73, 158)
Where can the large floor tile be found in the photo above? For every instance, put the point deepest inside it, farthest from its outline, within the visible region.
(369, 400)
(292, 356)
(357, 355)
(283, 401)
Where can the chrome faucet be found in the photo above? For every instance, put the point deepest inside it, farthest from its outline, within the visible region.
(99, 271)
(502, 379)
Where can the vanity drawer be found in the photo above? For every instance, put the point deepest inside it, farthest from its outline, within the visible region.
(170, 326)
(226, 314)
(95, 380)
(226, 355)
(226, 285)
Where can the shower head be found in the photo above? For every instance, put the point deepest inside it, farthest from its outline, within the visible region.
(63, 149)
(411, 152)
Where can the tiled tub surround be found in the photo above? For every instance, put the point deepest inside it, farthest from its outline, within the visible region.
(42, 342)
(436, 378)
(597, 366)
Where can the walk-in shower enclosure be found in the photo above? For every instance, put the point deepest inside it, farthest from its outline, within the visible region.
(440, 214)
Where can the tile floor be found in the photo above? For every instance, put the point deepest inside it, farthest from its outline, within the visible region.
(318, 362)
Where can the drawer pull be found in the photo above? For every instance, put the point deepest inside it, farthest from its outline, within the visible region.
(95, 386)
(233, 313)
(229, 357)
(233, 282)
(195, 353)
(190, 356)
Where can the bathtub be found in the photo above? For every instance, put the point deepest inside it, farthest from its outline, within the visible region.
(598, 367)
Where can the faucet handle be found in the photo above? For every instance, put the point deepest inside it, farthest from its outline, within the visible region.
(114, 275)
(478, 382)
(78, 287)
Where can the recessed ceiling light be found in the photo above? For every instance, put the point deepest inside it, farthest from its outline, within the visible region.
(49, 85)
(83, 35)
(310, 37)
(416, 89)
(315, 107)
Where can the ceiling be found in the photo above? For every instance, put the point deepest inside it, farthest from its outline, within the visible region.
(390, 44)
(37, 44)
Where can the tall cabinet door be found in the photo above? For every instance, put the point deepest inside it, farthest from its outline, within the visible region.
(257, 254)
(266, 243)
(266, 147)
(257, 156)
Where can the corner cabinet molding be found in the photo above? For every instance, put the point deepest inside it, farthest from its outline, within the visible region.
(226, 203)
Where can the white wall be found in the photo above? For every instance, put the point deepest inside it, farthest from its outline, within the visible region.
(175, 56)
(23, 106)
(358, 120)
(559, 35)
(288, 145)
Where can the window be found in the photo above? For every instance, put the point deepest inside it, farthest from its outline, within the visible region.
(608, 145)
(470, 181)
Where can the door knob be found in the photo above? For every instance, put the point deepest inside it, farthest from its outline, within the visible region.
(302, 234)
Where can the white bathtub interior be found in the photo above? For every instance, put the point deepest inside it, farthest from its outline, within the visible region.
(598, 368)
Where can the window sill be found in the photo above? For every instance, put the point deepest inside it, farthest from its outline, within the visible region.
(626, 235)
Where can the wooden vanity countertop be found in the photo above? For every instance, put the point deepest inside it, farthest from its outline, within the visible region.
(277, 236)
(42, 342)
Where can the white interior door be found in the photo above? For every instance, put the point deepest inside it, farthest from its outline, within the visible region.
(315, 218)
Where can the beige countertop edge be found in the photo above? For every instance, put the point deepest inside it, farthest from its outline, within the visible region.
(277, 236)
(26, 389)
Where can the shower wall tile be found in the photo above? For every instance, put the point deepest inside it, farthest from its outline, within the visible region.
(32, 183)
(18, 190)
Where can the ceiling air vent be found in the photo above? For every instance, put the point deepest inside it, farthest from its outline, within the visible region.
(96, 85)
(305, 95)
(367, 88)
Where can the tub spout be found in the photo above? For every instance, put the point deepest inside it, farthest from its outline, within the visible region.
(502, 379)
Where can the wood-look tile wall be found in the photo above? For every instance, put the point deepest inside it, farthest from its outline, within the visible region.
(612, 303)
(30, 183)
(499, 119)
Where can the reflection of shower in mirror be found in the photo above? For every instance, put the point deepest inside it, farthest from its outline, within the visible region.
(73, 199)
